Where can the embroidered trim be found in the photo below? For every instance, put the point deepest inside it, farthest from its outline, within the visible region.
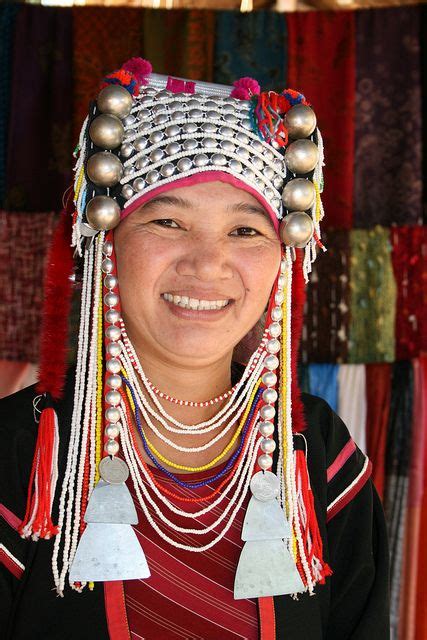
(348, 494)
(10, 562)
(115, 609)
(341, 459)
(267, 618)
(9, 517)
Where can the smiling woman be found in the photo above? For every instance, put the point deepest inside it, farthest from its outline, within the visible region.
(178, 493)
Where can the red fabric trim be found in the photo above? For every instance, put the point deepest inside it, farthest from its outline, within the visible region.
(10, 564)
(267, 618)
(115, 609)
(348, 497)
(10, 517)
(341, 459)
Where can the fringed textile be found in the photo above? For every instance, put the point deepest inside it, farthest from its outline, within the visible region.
(7, 26)
(352, 401)
(378, 389)
(388, 156)
(373, 297)
(421, 415)
(328, 40)
(323, 382)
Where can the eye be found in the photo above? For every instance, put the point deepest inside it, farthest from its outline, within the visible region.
(166, 222)
(245, 231)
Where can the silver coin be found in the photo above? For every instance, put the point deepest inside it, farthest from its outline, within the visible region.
(265, 486)
(113, 470)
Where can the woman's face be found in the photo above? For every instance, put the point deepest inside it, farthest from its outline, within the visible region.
(196, 266)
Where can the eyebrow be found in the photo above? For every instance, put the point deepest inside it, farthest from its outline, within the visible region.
(176, 201)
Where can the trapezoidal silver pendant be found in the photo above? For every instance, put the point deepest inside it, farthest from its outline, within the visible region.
(265, 521)
(111, 503)
(266, 568)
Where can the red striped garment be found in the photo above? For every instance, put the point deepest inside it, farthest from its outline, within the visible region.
(189, 595)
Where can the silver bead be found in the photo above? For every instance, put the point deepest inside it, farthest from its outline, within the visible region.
(227, 145)
(219, 159)
(269, 396)
(158, 108)
(107, 248)
(201, 160)
(162, 118)
(230, 118)
(300, 121)
(265, 461)
(189, 127)
(112, 430)
(103, 213)
(152, 177)
(106, 132)
(269, 193)
(144, 127)
(273, 346)
(276, 314)
(281, 278)
(112, 414)
(301, 156)
(227, 131)
(266, 428)
(114, 349)
(276, 203)
(194, 103)
(111, 299)
(128, 170)
(111, 447)
(110, 281)
(126, 150)
(144, 114)
(115, 100)
(296, 229)
(209, 127)
(140, 144)
(129, 121)
(275, 329)
(195, 113)
(114, 381)
(172, 130)
(269, 378)
(113, 398)
(242, 137)
(271, 362)
(113, 333)
(268, 172)
(211, 104)
(175, 105)
(209, 143)
(184, 164)
(107, 265)
(167, 170)
(278, 182)
(127, 191)
(248, 173)
(279, 297)
(112, 316)
(142, 162)
(242, 152)
(246, 123)
(138, 184)
(156, 155)
(267, 412)
(173, 148)
(156, 137)
(299, 195)
(267, 445)
(163, 95)
(257, 146)
(235, 165)
(177, 115)
(190, 144)
(113, 365)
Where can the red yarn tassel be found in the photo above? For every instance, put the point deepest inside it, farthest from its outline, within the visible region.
(37, 521)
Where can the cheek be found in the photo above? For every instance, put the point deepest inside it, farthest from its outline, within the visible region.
(258, 274)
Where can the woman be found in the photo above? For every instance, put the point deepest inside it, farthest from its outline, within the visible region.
(252, 509)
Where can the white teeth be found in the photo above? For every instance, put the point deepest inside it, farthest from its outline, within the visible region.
(193, 303)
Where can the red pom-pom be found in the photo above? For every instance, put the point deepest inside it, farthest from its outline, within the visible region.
(245, 88)
(139, 67)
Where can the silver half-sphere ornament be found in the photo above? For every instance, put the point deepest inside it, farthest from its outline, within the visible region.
(115, 100)
(103, 213)
(104, 169)
(296, 229)
(299, 195)
(301, 156)
(300, 121)
(107, 131)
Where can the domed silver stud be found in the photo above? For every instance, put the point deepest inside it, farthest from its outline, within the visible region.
(104, 169)
(230, 118)
(299, 195)
(269, 193)
(271, 362)
(112, 415)
(111, 299)
(159, 108)
(114, 349)
(152, 176)
(129, 121)
(126, 150)
(111, 447)
(227, 145)
(228, 108)
(268, 172)
(128, 170)
(144, 115)
(257, 146)
(156, 155)
(161, 118)
(156, 137)
(112, 430)
(167, 170)
(269, 378)
(144, 127)
(177, 115)
(107, 265)
(246, 123)
(113, 333)
(211, 104)
(140, 144)
(184, 164)
(110, 281)
(278, 182)
(227, 132)
(267, 445)
(115, 100)
(301, 156)
(269, 396)
(209, 127)
(265, 428)
(248, 173)
(267, 412)
(242, 137)
(113, 365)
(175, 105)
(300, 121)
(190, 144)
(127, 191)
(209, 143)
(219, 159)
(276, 203)
(213, 115)
(257, 163)
(201, 160)
(112, 316)
(235, 165)
(265, 461)
(296, 229)
(103, 213)
(195, 113)
(194, 103)
(142, 162)
(107, 248)
(106, 131)
(139, 184)
(114, 381)
(189, 127)
(273, 346)
(173, 148)
(276, 314)
(172, 130)
(242, 152)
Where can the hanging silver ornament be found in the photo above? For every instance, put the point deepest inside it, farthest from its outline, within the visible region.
(300, 121)
(301, 156)
(115, 100)
(104, 169)
(299, 195)
(296, 229)
(103, 213)
(107, 131)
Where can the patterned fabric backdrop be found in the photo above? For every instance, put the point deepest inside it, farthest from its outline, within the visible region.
(365, 335)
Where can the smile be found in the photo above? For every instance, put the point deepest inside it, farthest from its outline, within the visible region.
(195, 304)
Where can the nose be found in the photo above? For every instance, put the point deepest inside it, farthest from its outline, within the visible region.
(206, 259)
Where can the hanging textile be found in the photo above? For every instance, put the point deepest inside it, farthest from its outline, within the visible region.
(38, 159)
(398, 458)
(328, 40)
(24, 238)
(251, 44)
(7, 25)
(423, 64)
(373, 297)
(352, 401)
(387, 169)
(323, 381)
(326, 316)
(186, 46)
(104, 38)
(421, 415)
(409, 257)
(378, 389)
